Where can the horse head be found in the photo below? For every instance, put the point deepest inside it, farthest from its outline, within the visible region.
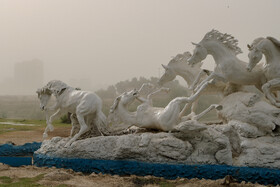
(255, 55)
(44, 96)
(213, 41)
(170, 73)
(123, 100)
(199, 54)
(56, 87)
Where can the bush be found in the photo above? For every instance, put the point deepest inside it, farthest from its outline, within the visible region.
(65, 118)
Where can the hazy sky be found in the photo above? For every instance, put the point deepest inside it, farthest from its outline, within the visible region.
(107, 41)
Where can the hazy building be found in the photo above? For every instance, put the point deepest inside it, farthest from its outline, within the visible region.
(29, 75)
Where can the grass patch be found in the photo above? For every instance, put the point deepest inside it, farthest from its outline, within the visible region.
(5, 179)
(23, 182)
(140, 181)
(38, 125)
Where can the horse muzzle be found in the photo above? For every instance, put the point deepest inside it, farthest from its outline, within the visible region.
(42, 108)
(192, 60)
(249, 69)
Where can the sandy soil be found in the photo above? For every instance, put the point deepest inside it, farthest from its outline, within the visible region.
(54, 177)
(22, 137)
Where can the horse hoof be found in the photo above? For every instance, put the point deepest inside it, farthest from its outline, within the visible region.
(68, 144)
(51, 128)
(45, 135)
(219, 107)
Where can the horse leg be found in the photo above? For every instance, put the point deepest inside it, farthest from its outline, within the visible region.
(211, 78)
(267, 92)
(163, 89)
(193, 98)
(193, 109)
(170, 115)
(197, 79)
(49, 126)
(211, 107)
(56, 114)
(45, 134)
(83, 128)
(75, 125)
(277, 95)
(149, 97)
(145, 85)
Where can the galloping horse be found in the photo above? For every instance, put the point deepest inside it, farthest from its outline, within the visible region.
(270, 47)
(85, 105)
(223, 48)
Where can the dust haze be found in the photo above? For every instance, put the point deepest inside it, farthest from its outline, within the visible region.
(92, 44)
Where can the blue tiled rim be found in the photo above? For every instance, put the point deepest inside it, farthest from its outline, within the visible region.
(168, 171)
(19, 150)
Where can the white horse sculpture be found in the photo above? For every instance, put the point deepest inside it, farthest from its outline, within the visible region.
(85, 105)
(193, 75)
(223, 48)
(270, 47)
(147, 116)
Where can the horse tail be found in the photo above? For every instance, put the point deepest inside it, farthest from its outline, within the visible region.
(101, 122)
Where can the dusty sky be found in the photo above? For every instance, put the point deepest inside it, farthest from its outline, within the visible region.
(107, 41)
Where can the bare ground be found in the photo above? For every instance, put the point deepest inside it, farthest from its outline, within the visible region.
(67, 177)
(22, 137)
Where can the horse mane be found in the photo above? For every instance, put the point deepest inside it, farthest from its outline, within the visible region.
(256, 42)
(55, 86)
(184, 58)
(226, 39)
(43, 91)
(274, 41)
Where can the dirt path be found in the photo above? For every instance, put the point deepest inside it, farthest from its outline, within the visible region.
(66, 177)
(22, 137)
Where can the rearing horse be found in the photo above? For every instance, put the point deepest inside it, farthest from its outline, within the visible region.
(223, 48)
(193, 75)
(270, 47)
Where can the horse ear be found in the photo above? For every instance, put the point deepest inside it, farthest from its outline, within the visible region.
(39, 91)
(274, 40)
(187, 54)
(195, 44)
(249, 47)
(164, 66)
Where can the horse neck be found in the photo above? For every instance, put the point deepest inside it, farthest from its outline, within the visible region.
(219, 51)
(270, 51)
(187, 72)
(126, 116)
